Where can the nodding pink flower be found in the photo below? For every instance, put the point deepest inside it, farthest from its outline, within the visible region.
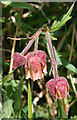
(36, 65)
(19, 60)
(34, 62)
(58, 88)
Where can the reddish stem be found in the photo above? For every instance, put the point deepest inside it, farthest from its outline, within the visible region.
(31, 41)
(52, 54)
(28, 46)
(36, 34)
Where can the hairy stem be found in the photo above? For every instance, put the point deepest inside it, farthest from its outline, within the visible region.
(35, 36)
(52, 54)
(27, 47)
(36, 44)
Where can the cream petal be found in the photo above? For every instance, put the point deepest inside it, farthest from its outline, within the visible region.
(27, 74)
(45, 69)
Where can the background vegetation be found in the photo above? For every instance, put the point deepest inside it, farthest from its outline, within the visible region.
(19, 19)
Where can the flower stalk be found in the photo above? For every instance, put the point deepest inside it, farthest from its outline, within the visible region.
(53, 62)
(36, 44)
(27, 47)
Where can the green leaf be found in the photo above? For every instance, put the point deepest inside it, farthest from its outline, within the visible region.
(69, 66)
(2, 20)
(52, 37)
(6, 2)
(57, 57)
(61, 112)
(17, 96)
(23, 26)
(5, 79)
(24, 110)
(2, 115)
(73, 117)
(65, 32)
(1, 79)
(48, 49)
(60, 54)
(4, 63)
(7, 108)
(59, 24)
(18, 4)
(29, 101)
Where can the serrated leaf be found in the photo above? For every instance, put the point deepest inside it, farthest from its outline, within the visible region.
(7, 108)
(69, 66)
(59, 24)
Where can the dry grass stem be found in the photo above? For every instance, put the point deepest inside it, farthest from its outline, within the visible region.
(60, 45)
(73, 86)
(12, 52)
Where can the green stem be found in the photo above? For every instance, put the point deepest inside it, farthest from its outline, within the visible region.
(61, 111)
(29, 101)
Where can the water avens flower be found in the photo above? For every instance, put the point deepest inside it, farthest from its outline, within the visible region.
(19, 60)
(36, 65)
(34, 62)
(58, 88)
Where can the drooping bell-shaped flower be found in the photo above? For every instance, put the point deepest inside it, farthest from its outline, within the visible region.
(34, 62)
(36, 65)
(19, 60)
(58, 88)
